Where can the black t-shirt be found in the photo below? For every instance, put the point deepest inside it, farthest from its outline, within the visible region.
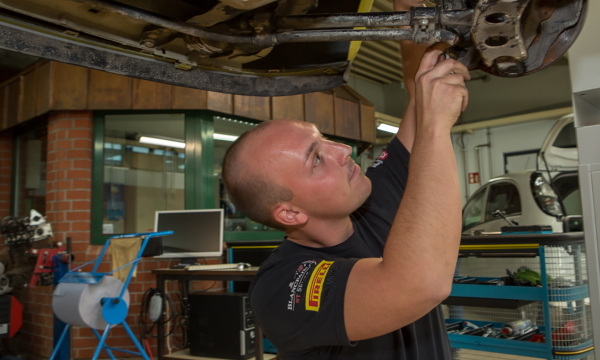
(298, 294)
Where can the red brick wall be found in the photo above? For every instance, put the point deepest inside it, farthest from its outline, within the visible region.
(68, 204)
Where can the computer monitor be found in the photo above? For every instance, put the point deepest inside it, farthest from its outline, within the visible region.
(196, 233)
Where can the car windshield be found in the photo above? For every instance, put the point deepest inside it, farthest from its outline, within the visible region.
(503, 197)
(567, 187)
(473, 213)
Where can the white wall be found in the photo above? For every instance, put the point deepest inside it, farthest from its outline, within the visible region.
(504, 139)
(584, 57)
(389, 99)
(370, 90)
(491, 99)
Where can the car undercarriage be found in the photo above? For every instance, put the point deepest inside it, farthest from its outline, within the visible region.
(280, 47)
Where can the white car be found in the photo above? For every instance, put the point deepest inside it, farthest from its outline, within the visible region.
(548, 196)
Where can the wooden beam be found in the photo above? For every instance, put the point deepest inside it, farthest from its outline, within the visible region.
(107, 91)
(29, 96)
(254, 107)
(368, 131)
(219, 102)
(347, 118)
(69, 87)
(150, 95)
(187, 98)
(43, 89)
(319, 110)
(288, 107)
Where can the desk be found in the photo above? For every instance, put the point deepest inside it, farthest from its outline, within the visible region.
(219, 275)
(185, 355)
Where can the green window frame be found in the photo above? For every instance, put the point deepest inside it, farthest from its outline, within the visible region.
(199, 165)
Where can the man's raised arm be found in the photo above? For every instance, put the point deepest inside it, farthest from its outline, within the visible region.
(415, 273)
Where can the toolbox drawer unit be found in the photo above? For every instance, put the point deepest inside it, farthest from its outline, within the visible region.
(548, 287)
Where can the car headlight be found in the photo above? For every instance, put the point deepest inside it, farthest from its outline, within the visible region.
(545, 196)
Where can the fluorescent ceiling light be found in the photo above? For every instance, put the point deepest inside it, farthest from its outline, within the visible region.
(224, 137)
(388, 128)
(162, 142)
(180, 144)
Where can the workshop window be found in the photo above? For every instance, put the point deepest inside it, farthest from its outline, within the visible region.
(30, 171)
(144, 165)
(148, 161)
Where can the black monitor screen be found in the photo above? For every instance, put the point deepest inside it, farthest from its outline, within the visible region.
(197, 233)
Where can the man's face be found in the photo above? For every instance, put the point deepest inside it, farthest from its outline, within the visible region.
(323, 177)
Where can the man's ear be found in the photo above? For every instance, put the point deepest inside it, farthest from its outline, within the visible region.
(288, 216)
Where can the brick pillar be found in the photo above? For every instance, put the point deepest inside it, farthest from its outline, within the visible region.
(69, 177)
(6, 145)
(68, 209)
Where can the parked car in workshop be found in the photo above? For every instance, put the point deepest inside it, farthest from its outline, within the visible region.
(547, 196)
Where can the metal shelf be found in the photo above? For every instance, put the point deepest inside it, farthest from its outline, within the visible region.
(531, 293)
(537, 252)
(502, 346)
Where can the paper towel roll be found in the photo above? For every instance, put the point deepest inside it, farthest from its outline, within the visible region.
(79, 304)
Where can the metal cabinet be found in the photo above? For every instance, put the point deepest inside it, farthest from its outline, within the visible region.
(548, 286)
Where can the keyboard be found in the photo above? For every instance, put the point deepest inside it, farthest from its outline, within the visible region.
(212, 267)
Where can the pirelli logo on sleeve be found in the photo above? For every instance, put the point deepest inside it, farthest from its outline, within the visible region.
(314, 290)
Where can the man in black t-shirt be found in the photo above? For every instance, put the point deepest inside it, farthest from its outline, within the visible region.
(298, 293)
(367, 259)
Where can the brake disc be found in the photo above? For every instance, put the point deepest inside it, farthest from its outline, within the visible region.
(519, 37)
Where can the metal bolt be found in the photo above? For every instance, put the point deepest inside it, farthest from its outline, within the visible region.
(423, 24)
(149, 43)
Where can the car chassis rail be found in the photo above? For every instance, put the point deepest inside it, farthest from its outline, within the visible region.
(497, 36)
